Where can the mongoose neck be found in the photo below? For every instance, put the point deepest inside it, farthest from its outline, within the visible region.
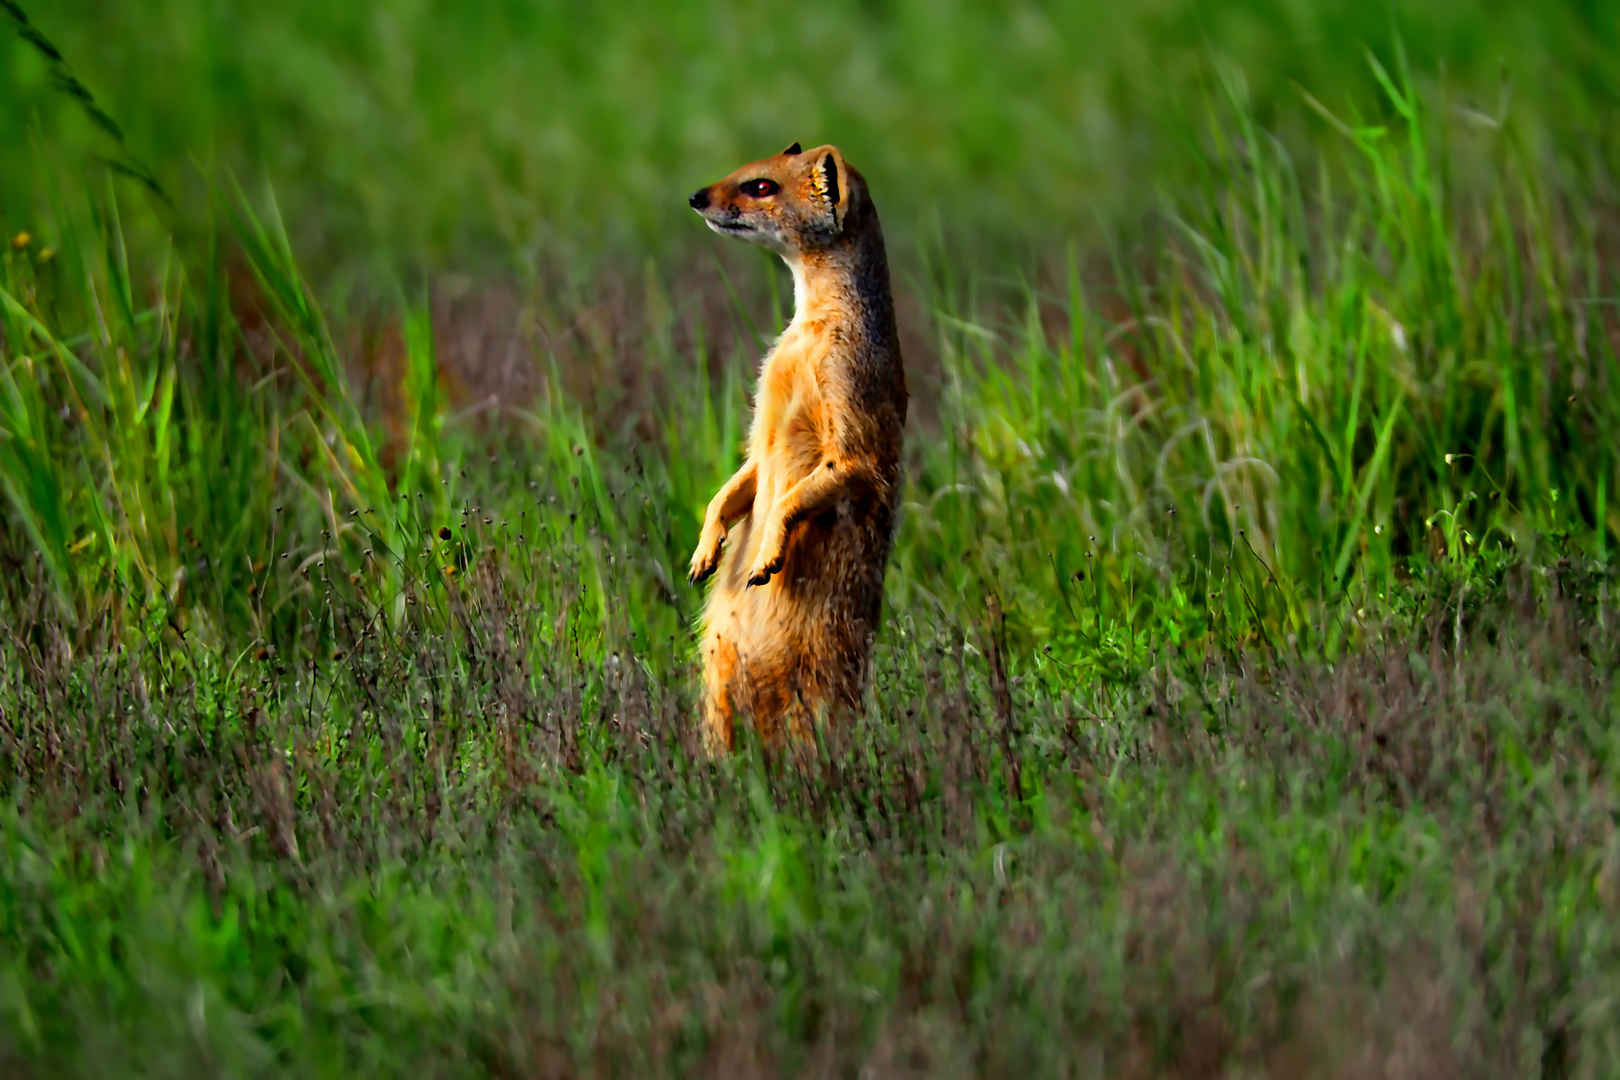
(847, 282)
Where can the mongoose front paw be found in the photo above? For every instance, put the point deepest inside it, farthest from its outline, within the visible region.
(706, 558)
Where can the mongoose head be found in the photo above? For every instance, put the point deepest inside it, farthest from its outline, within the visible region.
(793, 202)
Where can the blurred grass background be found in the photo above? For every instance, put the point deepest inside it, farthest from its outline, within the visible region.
(1249, 644)
(413, 133)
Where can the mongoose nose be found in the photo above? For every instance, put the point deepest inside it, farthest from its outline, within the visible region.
(699, 199)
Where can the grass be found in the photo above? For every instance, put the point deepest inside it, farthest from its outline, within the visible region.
(1245, 701)
(514, 135)
(467, 849)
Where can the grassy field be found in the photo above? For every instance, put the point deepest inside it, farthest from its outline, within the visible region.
(1245, 704)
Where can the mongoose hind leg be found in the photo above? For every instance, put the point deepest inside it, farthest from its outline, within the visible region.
(720, 670)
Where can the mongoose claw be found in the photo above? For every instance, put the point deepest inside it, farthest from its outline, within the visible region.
(762, 573)
(703, 566)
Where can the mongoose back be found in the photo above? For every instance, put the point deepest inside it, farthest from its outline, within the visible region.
(799, 537)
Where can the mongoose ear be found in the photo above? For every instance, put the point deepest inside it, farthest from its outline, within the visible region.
(828, 180)
(794, 149)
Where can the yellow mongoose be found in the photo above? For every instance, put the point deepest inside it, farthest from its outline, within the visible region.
(807, 522)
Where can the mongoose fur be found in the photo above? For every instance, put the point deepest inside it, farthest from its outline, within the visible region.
(799, 537)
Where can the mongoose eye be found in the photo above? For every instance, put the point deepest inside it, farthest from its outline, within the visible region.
(760, 188)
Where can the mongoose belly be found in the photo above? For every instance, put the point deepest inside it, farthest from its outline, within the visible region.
(801, 643)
